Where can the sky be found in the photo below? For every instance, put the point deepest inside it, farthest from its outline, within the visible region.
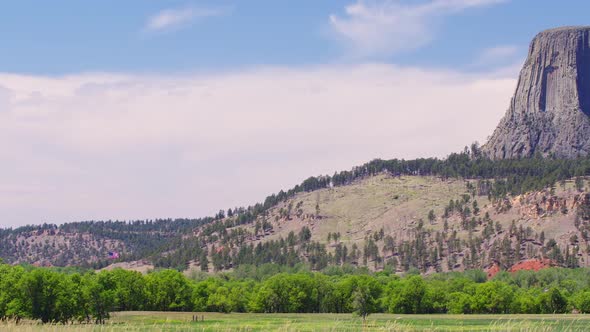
(133, 109)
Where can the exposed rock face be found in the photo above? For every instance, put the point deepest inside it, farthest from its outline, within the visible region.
(550, 110)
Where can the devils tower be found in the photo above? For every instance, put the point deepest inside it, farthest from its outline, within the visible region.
(550, 110)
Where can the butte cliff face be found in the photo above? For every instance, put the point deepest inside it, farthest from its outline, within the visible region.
(550, 110)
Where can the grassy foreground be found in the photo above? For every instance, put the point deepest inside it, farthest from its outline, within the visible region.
(175, 321)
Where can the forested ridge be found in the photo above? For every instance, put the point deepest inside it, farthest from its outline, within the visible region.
(87, 243)
(221, 244)
(52, 296)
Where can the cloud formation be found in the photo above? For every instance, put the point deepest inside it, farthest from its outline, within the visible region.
(171, 18)
(122, 146)
(384, 27)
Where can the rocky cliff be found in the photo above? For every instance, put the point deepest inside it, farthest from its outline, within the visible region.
(550, 110)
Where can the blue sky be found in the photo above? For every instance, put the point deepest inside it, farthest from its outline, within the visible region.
(148, 109)
(79, 36)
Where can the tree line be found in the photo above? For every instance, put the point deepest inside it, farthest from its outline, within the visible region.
(54, 296)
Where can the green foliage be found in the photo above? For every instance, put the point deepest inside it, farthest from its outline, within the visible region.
(168, 290)
(365, 296)
(99, 295)
(406, 296)
(492, 297)
(56, 297)
(526, 301)
(553, 302)
(459, 303)
(581, 301)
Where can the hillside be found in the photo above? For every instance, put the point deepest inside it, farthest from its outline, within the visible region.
(463, 212)
(386, 220)
(88, 243)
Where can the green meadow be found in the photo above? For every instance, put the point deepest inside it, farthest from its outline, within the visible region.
(182, 321)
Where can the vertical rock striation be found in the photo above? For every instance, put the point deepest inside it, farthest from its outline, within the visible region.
(550, 110)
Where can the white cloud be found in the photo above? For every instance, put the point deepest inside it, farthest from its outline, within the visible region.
(102, 146)
(384, 27)
(171, 18)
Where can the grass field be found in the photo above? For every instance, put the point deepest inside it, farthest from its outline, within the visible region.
(167, 321)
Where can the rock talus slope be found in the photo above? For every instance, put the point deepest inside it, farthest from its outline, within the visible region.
(550, 110)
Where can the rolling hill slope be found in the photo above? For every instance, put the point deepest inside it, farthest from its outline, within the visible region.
(386, 220)
(460, 213)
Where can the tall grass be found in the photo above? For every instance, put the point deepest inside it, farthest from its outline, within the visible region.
(155, 321)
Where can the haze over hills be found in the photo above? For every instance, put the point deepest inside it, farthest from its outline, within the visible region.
(480, 208)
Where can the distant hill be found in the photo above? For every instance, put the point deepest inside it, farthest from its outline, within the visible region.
(88, 243)
(463, 212)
